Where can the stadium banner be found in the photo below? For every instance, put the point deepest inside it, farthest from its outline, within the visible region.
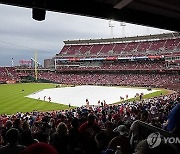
(25, 61)
(11, 82)
(111, 58)
(74, 59)
(80, 59)
(100, 58)
(154, 57)
(88, 59)
(125, 58)
(62, 59)
(144, 57)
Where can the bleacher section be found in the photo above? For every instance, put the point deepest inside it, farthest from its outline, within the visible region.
(133, 48)
(135, 61)
(125, 78)
(8, 74)
(119, 65)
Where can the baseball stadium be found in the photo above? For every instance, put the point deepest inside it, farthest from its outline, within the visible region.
(95, 96)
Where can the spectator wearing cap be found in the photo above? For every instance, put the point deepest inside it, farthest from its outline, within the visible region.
(12, 147)
(121, 140)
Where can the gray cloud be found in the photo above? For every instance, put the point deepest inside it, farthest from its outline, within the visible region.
(17, 27)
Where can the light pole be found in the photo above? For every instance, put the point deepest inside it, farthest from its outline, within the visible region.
(122, 24)
(12, 62)
(111, 25)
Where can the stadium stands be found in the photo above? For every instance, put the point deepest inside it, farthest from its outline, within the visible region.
(142, 47)
(8, 74)
(136, 61)
(112, 63)
(123, 65)
(130, 79)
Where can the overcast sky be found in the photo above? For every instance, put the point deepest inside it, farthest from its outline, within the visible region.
(20, 35)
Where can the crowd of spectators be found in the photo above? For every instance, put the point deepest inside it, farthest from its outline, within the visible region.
(90, 129)
(124, 65)
(8, 74)
(136, 65)
(131, 79)
(152, 73)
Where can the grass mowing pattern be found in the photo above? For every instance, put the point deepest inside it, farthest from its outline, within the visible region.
(12, 98)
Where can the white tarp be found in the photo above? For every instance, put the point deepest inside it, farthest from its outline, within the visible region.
(76, 96)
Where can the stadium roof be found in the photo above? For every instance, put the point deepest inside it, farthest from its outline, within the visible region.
(163, 14)
(125, 39)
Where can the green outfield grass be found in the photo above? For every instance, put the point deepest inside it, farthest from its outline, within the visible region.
(12, 98)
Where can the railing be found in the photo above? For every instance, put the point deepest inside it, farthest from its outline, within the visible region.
(143, 130)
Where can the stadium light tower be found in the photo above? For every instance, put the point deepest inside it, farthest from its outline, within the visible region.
(111, 25)
(122, 24)
(12, 62)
